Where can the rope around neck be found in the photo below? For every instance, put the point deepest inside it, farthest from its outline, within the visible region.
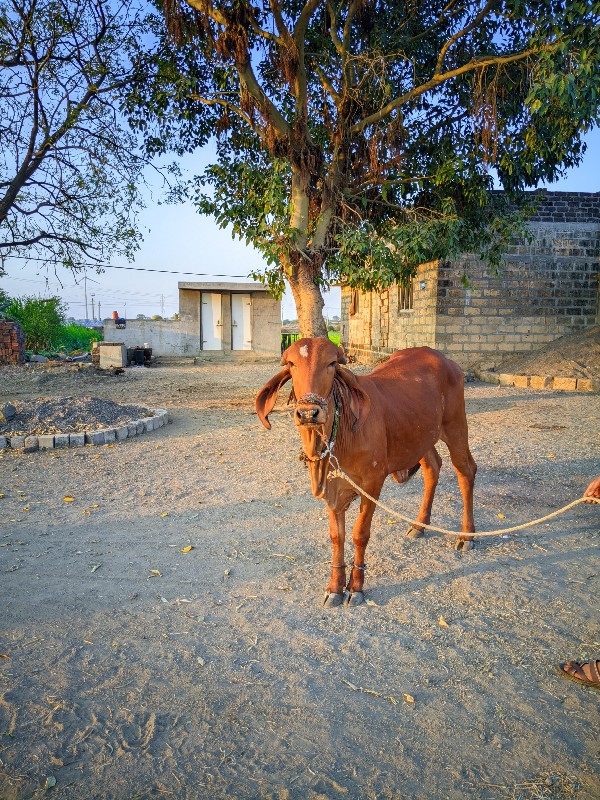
(337, 472)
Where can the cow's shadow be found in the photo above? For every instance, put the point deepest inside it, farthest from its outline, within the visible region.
(473, 564)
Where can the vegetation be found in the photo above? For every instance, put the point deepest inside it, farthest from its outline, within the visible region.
(44, 326)
(77, 337)
(70, 166)
(356, 139)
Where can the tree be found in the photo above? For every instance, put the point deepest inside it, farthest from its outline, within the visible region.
(70, 166)
(357, 138)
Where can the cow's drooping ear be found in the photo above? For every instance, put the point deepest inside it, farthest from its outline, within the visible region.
(341, 355)
(267, 397)
(360, 403)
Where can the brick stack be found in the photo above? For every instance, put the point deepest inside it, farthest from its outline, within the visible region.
(12, 343)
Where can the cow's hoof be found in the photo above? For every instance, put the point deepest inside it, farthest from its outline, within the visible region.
(463, 545)
(414, 533)
(333, 599)
(356, 599)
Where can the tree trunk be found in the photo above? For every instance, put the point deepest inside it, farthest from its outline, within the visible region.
(308, 298)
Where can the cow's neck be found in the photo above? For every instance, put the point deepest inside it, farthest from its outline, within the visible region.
(318, 444)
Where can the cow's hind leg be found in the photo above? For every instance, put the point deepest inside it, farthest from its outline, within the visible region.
(430, 464)
(463, 462)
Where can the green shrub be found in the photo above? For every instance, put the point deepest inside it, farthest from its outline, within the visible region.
(43, 323)
(77, 337)
(41, 320)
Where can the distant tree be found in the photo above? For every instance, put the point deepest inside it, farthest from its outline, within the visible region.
(5, 299)
(356, 139)
(41, 320)
(141, 316)
(156, 317)
(70, 167)
(176, 317)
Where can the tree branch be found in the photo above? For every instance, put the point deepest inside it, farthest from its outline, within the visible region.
(436, 80)
(459, 34)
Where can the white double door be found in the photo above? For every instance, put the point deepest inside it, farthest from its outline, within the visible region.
(212, 321)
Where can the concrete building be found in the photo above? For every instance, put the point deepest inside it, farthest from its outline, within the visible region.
(546, 288)
(216, 320)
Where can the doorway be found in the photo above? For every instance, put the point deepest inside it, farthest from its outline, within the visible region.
(212, 326)
(241, 322)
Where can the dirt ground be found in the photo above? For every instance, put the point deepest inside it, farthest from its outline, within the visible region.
(573, 356)
(130, 669)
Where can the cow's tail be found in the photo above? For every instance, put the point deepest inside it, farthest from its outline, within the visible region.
(403, 475)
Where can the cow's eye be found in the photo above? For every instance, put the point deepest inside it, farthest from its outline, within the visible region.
(291, 364)
(333, 364)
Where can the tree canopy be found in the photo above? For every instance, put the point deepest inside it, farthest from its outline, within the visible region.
(70, 166)
(359, 138)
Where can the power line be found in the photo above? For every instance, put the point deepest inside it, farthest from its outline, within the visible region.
(147, 269)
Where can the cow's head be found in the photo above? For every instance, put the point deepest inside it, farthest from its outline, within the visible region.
(313, 365)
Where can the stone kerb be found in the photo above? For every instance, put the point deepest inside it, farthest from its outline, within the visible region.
(539, 381)
(30, 444)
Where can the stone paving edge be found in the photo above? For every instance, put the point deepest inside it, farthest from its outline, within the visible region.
(539, 381)
(30, 444)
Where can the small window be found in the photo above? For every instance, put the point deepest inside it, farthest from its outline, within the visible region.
(405, 295)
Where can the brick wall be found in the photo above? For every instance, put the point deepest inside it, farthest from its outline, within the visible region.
(380, 326)
(546, 288)
(12, 343)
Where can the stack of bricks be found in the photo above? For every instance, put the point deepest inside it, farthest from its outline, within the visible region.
(12, 343)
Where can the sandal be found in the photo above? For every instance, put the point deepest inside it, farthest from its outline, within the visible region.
(586, 673)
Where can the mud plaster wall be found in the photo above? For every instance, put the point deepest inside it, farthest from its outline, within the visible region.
(546, 288)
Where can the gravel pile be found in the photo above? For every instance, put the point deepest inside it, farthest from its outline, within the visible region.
(48, 415)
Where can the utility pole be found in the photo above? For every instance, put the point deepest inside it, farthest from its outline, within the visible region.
(162, 305)
(99, 312)
(85, 280)
(93, 311)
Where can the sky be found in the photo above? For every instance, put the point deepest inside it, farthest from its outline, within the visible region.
(179, 240)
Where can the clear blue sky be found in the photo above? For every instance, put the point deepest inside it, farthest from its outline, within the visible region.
(178, 239)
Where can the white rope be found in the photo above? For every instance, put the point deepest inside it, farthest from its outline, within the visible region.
(337, 472)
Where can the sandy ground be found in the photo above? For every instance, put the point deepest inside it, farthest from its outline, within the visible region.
(132, 670)
(574, 356)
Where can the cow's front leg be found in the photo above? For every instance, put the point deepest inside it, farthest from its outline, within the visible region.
(337, 581)
(360, 536)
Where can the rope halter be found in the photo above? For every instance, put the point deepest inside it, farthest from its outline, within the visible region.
(311, 398)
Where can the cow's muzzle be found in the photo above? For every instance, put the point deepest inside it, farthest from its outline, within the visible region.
(311, 409)
(308, 415)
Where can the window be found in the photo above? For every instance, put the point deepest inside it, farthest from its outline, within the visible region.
(405, 295)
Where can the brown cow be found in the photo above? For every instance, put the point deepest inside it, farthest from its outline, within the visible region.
(385, 423)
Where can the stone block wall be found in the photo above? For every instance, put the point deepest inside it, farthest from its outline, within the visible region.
(381, 326)
(12, 343)
(546, 288)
